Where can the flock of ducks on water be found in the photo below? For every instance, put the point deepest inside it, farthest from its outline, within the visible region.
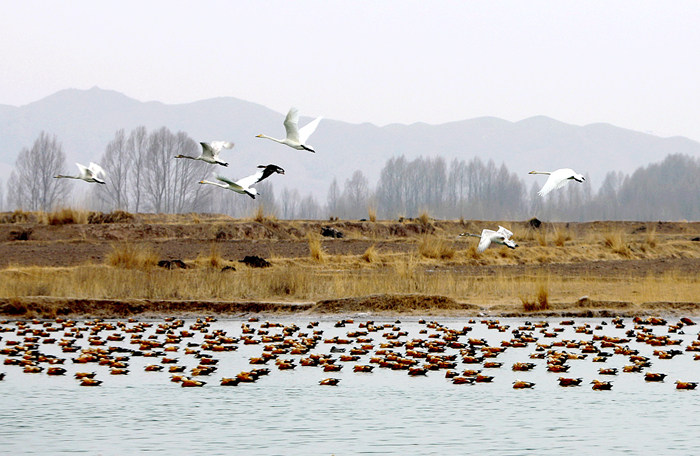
(436, 348)
(296, 138)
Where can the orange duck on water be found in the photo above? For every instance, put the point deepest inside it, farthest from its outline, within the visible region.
(329, 381)
(81, 375)
(188, 383)
(654, 377)
(55, 371)
(686, 385)
(90, 382)
(565, 381)
(601, 386)
(520, 384)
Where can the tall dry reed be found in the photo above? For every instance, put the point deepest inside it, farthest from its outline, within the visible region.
(131, 256)
(436, 248)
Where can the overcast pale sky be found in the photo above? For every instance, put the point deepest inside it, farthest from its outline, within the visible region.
(634, 64)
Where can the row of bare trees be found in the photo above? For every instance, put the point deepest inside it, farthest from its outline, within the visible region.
(143, 176)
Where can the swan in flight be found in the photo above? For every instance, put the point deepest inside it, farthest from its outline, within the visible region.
(92, 173)
(296, 137)
(501, 237)
(557, 179)
(210, 152)
(243, 186)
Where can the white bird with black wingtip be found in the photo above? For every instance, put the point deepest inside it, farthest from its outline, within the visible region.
(557, 179)
(296, 137)
(244, 186)
(210, 152)
(92, 173)
(488, 237)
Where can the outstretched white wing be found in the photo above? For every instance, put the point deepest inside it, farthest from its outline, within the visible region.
(84, 171)
(504, 232)
(228, 181)
(218, 145)
(485, 241)
(207, 150)
(308, 129)
(96, 170)
(291, 124)
(556, 180)
(246, 182)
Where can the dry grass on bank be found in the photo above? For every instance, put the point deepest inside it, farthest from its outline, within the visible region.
(307, 280)
(436, 248)
(131, 256)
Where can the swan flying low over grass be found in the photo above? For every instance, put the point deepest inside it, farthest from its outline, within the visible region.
(501, 237)
(557, 179)
(210, 152)
(296, 137)
(243, 186)
(92, 173)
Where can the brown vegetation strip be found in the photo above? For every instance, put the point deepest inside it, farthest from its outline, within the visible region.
(395, 305)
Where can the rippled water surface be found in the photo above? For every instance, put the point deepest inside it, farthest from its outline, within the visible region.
(383, 412)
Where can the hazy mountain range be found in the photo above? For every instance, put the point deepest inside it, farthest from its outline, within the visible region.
(86, 120)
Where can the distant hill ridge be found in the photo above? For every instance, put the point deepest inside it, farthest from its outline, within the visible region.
(86, 120)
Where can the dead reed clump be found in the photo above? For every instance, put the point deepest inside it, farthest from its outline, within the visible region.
(214, 260)
(260, 216)
(130, 256)
(436, 248)
(424, 218)
(316, 248)
(616, 241)
(116, 216)
(286, 282)
(372, 213)
(561, 236)
(541, 237)
(371, 255)
(17, 216)
(65, 216)
(540, 301)
(650, 239)
(471, 252)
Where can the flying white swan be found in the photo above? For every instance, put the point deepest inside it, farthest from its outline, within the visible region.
(210, 152)
(557, 179)
(93, 173)
(243, 186)
(501, 237)
(296, 137)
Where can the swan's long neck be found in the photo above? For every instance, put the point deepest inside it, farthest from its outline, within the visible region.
(61, 176)
(213, 183)
(539, 172)
(281, 141)
(470, 234)
(186, 156)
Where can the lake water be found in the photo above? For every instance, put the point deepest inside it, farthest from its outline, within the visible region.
(383, 412)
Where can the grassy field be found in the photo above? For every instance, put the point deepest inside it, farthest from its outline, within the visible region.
(553, 265)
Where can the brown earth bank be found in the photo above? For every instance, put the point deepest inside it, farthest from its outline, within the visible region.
(375, 305)
(403, 266)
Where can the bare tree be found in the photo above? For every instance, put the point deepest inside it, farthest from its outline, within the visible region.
(137, 148)
(290, 200)
(117, 164)
(170, 185)
(356, 193)
(333, 199)
(33, 185)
